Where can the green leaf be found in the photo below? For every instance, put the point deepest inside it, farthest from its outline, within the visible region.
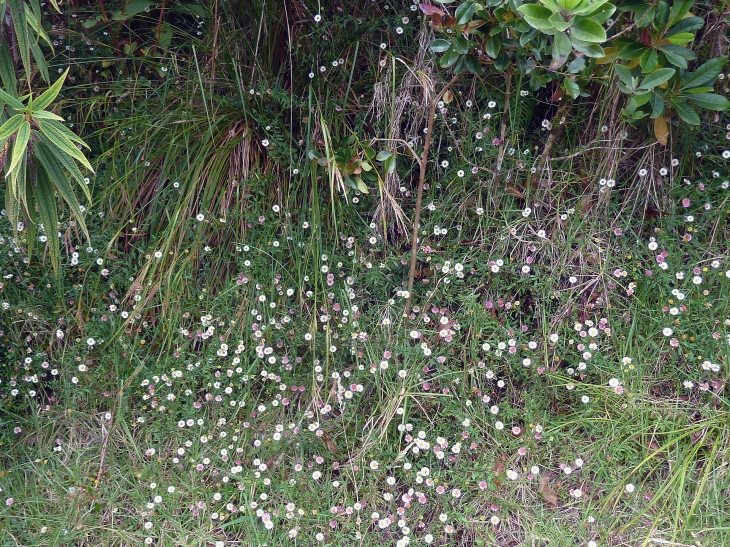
(472, 64)
(677, 55)
(361, 186)
(20, 24)
(70, 135)
(40, 61)
(135, 7)
(641, 99)
(681, 38)
(587, 30)
(19, 146)
(17, 193)
(389, 164)
(644, 16)
(10, 100)
(686, 25)
(45, 115)
(165, 36)
(560, 51)
(501, 62)
(587, 7)
(710, 101)
(704, 75)
(631, 51)
(536, 16)
(625, 76)
(571, 87)
(383, 155)
(462, 45)
(557, 21)
(662, 14)
(587, 48)
(45, 197)
(493, 47)
(603, 14)
(649, 61)
(11, 126)
(70, 166)
(686, 112)
(449, 59)
(57, 177)
(656, 101)
(632, 5)
(33, 15)
(439, 45)
(656, 78)
(7, 70)
(577, 65)
(48, 96)
(680, 8)
(51, 129)
(465, 12)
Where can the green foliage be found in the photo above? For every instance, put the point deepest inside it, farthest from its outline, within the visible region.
(655, 52)
(228, 361)
(44, 155)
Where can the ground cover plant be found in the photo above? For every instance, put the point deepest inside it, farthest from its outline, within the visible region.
(237, 346)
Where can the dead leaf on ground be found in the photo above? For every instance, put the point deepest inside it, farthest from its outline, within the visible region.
(550, 495)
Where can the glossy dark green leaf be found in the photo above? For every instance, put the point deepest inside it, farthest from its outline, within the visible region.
(709, 101)
(656, 78)
(439, 45)
(679, 9)
(631, 51)
(465, 12)
(656, 101)
(649, 61)
(472, 64)
(679, 56)
(690, 24)
(587, 30)
(571, 87)
(493, 47)
(704, 75)
(686, 112)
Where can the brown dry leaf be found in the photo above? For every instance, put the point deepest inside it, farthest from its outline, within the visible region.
(661, 130)
(512, 191)
(586, 203)
(499, 466)
(550, 495)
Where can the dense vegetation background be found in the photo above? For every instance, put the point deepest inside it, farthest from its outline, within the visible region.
(230, 337)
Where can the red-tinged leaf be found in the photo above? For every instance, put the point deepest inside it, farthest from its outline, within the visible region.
(645, 38)
(437, 22)
(451, 22)
(428, 9)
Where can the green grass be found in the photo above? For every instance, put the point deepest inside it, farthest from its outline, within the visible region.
(228, 363)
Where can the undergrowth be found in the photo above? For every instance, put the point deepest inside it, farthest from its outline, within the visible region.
(227, 361)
